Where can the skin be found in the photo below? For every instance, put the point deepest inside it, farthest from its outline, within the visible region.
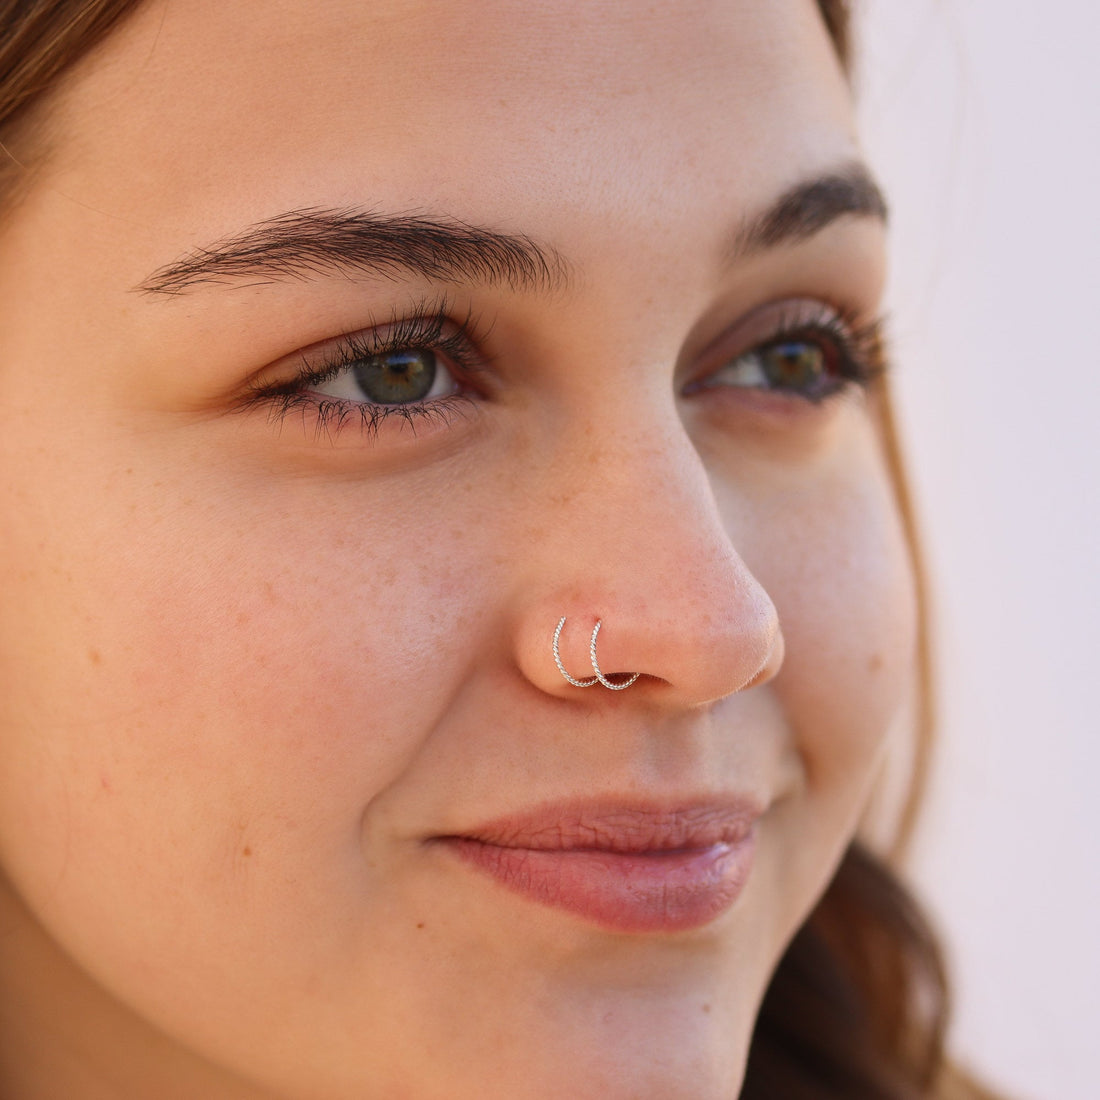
(248, 669)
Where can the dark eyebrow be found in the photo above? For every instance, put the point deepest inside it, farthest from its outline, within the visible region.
(318, 241)
(810, 206)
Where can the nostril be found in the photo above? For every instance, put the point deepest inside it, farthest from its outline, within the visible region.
(600, 677)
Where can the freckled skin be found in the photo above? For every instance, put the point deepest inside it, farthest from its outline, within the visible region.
(246, 672)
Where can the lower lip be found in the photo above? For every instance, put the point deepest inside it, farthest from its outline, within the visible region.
(652, 891)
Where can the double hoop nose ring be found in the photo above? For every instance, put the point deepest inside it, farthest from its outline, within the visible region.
(599, 678)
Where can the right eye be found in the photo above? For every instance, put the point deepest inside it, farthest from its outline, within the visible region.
(402, 376)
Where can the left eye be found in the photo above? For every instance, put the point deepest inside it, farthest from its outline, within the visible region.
(403, 376)
(805, 364)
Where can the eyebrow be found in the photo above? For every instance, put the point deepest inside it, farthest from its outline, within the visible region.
(809, 207)
(319, 241)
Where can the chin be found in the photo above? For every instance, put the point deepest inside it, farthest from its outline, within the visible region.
(637, 1045)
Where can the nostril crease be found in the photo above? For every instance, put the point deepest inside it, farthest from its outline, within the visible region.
(762, 672)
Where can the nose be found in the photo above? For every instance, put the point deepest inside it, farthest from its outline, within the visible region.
(629, 538)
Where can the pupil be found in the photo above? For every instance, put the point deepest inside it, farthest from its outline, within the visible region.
(397, 377)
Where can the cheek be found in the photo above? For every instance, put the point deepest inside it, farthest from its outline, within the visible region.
(836, 562)
(217, 679)
(224, 676)
(849, 609)
(828, 543)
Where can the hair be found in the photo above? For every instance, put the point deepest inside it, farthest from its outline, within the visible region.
(858, 1007)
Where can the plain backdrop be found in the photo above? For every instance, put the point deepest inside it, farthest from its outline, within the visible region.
(982, 117)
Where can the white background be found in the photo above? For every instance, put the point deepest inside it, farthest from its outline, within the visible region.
(982, 117)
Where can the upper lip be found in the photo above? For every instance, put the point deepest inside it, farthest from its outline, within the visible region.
(621, 826)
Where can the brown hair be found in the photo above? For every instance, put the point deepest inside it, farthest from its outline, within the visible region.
(857, 1008)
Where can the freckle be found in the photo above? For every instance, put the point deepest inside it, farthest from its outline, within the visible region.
(706, 1010)
(246, 851)
(420, 924)
(95, 656)
(875, 663)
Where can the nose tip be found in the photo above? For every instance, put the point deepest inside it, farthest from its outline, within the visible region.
(604, 644)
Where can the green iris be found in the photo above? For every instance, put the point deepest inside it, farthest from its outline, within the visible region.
(397, 377)
(797, 365)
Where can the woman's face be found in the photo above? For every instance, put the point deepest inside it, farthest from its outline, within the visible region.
(294, 800)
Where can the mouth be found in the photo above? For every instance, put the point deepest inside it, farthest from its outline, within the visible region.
(623, 867)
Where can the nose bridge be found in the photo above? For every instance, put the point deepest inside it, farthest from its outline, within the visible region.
(634, 539)
(639, 503)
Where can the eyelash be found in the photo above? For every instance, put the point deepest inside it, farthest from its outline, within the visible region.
(859, 348)
(859, 358)
(429, 326)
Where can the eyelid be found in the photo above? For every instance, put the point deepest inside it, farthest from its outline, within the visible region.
(765, 323)
(434, 324)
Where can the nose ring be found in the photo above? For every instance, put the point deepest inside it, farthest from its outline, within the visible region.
(561, 667)
(596, 667)
(599, 678)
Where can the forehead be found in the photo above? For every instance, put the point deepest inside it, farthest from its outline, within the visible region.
(199, 117)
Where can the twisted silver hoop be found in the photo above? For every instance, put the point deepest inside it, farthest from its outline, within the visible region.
(596, 667)
(561, 667)
(599, 678)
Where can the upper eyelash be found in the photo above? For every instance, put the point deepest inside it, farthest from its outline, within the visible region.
(424, 327)
(864, 344)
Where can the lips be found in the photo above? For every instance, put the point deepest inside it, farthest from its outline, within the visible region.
(623, 867)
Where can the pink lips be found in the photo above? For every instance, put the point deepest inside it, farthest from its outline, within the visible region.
(626, 868)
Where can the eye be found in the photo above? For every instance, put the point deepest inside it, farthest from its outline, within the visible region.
(402, 376)
(804, 349)
(807, 364)
(417, 369)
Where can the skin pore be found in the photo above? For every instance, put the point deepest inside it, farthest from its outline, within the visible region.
(262, 647)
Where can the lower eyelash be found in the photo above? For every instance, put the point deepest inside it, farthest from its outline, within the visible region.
(329, 416)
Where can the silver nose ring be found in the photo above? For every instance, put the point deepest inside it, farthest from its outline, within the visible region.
(596, 665)
(599, 678)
